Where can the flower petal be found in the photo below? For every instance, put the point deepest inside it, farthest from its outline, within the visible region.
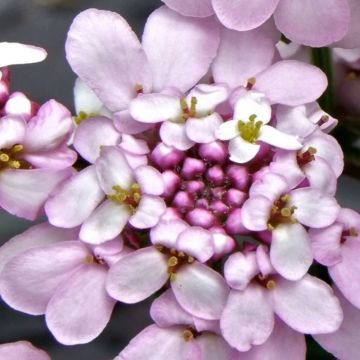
(127, 125)
(256, 213)
(150, 180)
(177, 40)
(174, 134)
(242, 151)
(201, 8)
(137, 275)
(228, 130)
(166, 232)
(214, 347)
(16, 53)
(22, 350)
(103, 38)
(200, 290)
(203, 130)
(274, 137)
(12, 130)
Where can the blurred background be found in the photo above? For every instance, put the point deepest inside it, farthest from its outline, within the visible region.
(45, 23)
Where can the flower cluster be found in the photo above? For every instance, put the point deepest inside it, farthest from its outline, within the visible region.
(199, 167)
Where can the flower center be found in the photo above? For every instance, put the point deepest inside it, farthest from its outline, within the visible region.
(281, 213)
(186, 111)
(131, 197)
(9, 158)
(346, 233)
(306, 157)
(175, 261)
(190, 334)
(266, 281)
(250, 130)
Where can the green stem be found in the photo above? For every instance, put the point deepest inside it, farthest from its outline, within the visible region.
(321, 57)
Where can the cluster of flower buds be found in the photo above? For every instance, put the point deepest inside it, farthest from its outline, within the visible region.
(198, 167)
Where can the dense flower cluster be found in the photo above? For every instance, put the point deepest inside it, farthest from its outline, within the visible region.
(199, 166)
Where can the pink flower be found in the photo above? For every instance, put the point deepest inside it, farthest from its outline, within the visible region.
(132, 196)
(322, 22)
(178, 254)
(22, 350)
(258, 293)
(46, 270)
(34, 158)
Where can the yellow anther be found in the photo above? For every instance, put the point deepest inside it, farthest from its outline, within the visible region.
(250, 130)
(172, 277)
(353, 232)
(181, 254)
(192, 112)
(14, 164)
(270, 285)
(190, 259)
(312, 150)
(138, 88)
(89, 259)
(188, 335)
(135, 187)
(285, 198)
(286, 212)
(17, 148)
(270, 227)
(131, 197)
(80, 117)
(4, 157)
(250, 83)
(173, 261)
(183, 105)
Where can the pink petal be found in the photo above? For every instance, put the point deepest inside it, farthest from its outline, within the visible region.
(290, 82)
(243, 15)
(16, 53)
(153, 108)
(149, 212)
(22, 350)
(313, 208)
(214, 347)
(166, 232)
(200, 290)
(103, 39)
(133, 145)
(234, 63)
(36, 236)
(80, 195)
(352, 37)
(137, 276)
(93, 133)
(308, 305)
(202, 130)
(283, 344)
(273, 136)
(197, 242)
(248, 318)
(49, 129)
(150, 180)
(112, 169)
(29, 280)
(322, 23)
(256, 213)
(77, 298)
(24, 192)
(166, 311)
(179, 39)
(174, 134)
(345, 342)
(346, 273)
(241, 151)
(239, 269)
(105, 223)
(127, 125)
(290, 251)
(12, 130)
(155, 343)
(201, 8)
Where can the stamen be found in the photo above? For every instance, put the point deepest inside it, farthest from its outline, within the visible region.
(192, 112)
(251, 82)
(4, 157)
(138, 88)
(270, 285)
(188, 335)
(89, 259)
(80, 117)
(250, 130)
(131, 197)
(173, 261)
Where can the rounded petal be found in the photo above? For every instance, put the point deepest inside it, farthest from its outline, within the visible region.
(200, 290)
(12, 130)
(137, 275)
(243, 15)
(201, 8)
(197, 242)
(149, 212)
(234, 63)
(174, 134)
(24, 192)
(93, 133)
(16, 53)
(352, 37)
(29, 280)
(248, 318)
(99, 38)
(105, 223)
(308, 306)
(274, 137)
(203, 130)
(256, 213)
(150, 180)
(228, 130)
(314, 208)
(22, 350)
(80, 195)
(242, 151)
(291, 82)
(70, 314)
(322, 22)
(290, 251)
(166, 232)
(177, 40)
(214, 347)
(124, 123)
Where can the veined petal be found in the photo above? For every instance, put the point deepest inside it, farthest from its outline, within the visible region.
(242, 151)
(276, 138)
(177, 40)
(200, 290)
(290, 251)
(248, 318)
(99, 38)
(137, 275)
(16, 53)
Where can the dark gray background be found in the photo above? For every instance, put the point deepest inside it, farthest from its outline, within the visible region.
(34, 23)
